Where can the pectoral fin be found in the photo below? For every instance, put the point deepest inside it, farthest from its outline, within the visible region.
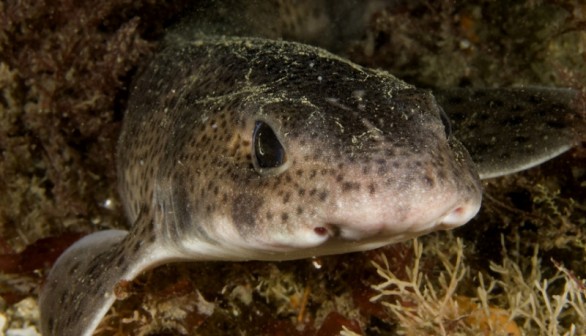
(512, 129)
(80, 287)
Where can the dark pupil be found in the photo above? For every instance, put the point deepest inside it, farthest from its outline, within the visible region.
(446, 122)
(269, 151)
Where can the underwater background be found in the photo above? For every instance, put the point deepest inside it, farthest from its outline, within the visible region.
(518, 268)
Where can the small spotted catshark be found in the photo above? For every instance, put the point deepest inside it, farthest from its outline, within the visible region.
(237, 146)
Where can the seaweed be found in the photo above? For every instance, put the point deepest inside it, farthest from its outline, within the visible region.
(515, 296)
(64, 70)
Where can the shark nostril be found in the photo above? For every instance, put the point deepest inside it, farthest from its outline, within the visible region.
(321, 231)
(460, 215)
(329, 229)
(458, 211)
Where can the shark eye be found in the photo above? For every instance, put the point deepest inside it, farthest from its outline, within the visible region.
(446, 122)
(268, 150)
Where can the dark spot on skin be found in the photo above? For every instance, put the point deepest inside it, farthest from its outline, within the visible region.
(269, 216)
(301, 192)
(284, 217)
(312, 192)
(339, 178)
(348, 186)
(429, 180)
(371, 189)
(323, 195)
(286, 198)
(299, 210)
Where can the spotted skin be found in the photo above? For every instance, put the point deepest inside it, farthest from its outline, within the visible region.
(193, 145)
(367, 157)
(369, 161)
